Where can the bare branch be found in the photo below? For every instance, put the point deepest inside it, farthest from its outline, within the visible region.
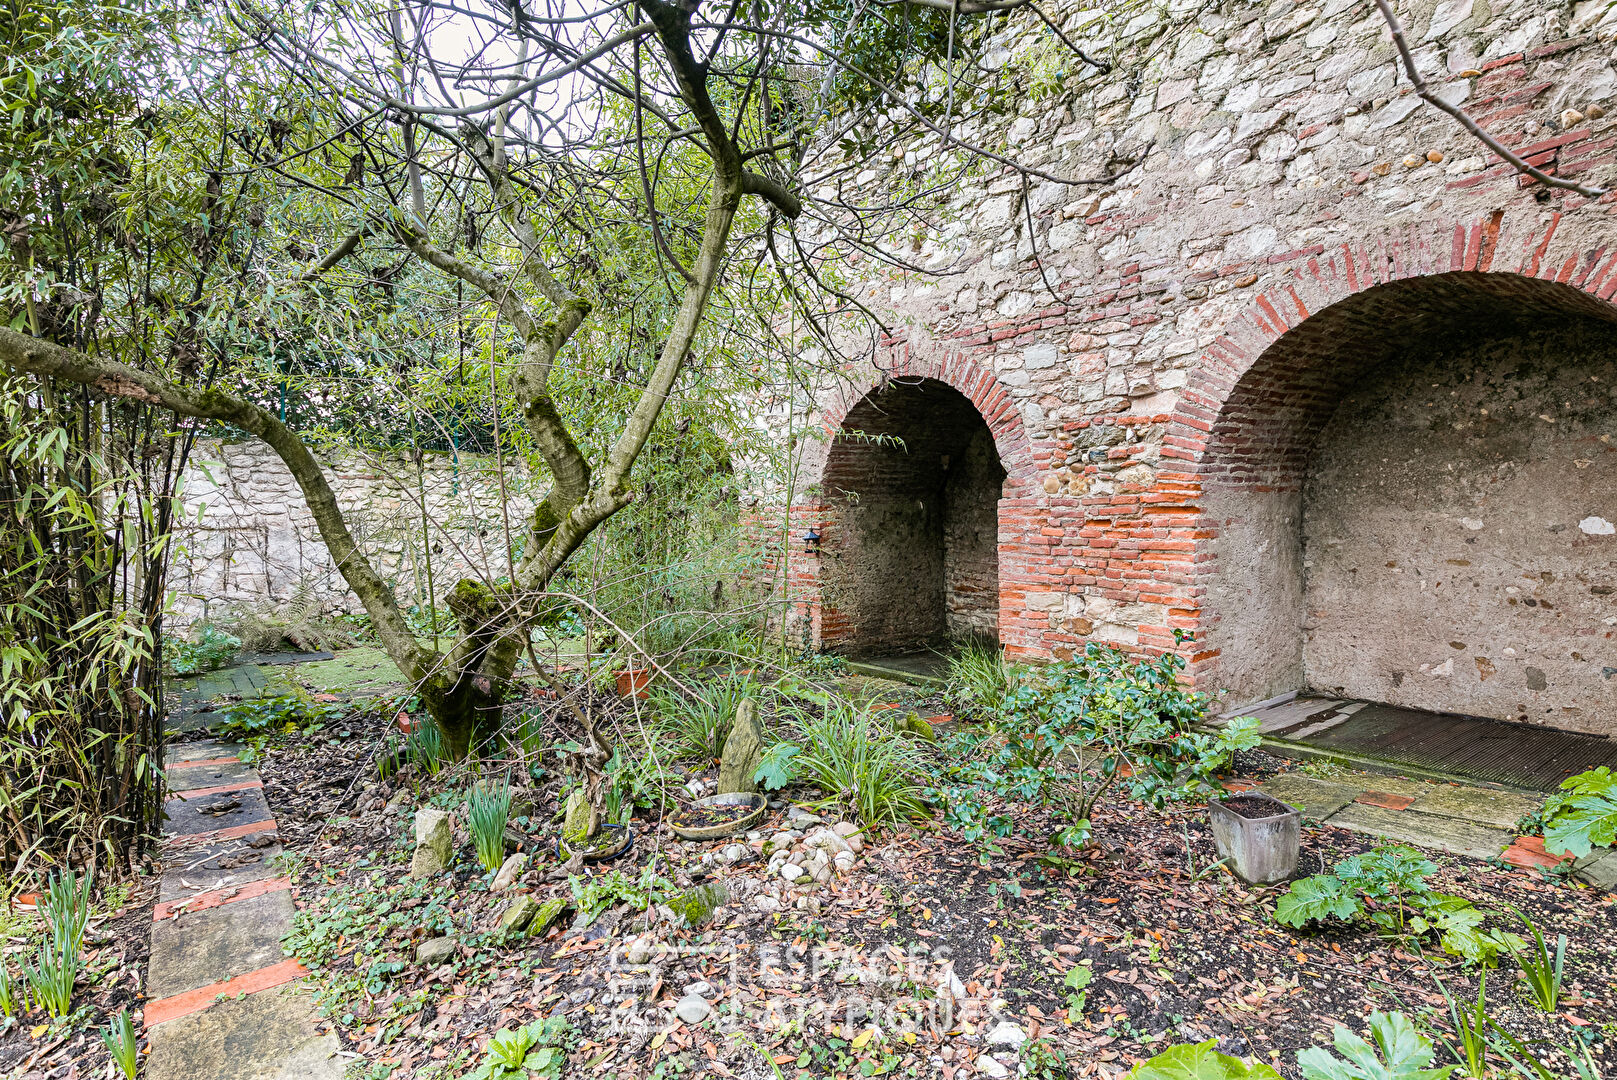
(1469, 124)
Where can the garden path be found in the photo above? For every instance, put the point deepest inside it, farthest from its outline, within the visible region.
(223, 1003)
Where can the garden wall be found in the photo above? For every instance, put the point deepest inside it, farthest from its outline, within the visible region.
(249, 539)
(1207, 382)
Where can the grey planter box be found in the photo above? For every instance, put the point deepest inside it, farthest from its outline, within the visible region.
(1261, 849)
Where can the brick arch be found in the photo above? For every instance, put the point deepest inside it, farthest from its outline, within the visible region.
(824, 621)
(990, 397)
(1258, 398)
(1534, 254)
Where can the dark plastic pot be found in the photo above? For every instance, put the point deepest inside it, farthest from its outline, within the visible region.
(1257, 834)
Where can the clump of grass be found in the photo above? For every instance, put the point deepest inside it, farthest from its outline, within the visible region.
(701, 721)
(856, 760)
(122, 1045)
(979, 675)
(10, 997)
(51, 979)
(424, 747)
(487, 812)
(1542, 970)
(67, 907)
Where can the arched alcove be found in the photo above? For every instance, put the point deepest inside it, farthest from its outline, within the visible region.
(911, 490)
(1408, 499)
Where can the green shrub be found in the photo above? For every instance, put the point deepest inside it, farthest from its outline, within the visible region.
(121, 1043)
(1583, 815)
(700, 721)
(537, 1051)
(424, 746)
(51, 978)
(67, 908)
(1067, 733)
(284, 714)
(1389, 887)
(208, 649)
(11, 1000)
(861, 763)
(1541, 969)
(979, 677)
(1200, 1061)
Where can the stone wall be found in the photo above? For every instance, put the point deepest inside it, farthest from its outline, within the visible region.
(1452, 552)
(1303, 231)
(249, 539)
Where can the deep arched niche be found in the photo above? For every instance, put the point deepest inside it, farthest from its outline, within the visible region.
(911, 488)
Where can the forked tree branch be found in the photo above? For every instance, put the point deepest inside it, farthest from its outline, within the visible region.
(29, 354)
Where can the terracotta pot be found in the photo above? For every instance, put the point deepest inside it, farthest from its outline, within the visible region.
(632, 682)
(1258, 834)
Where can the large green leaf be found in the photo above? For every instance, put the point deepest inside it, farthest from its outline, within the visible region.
(1199, 1061)
(1585, 817)
(1403, 1054)
(1317, 898)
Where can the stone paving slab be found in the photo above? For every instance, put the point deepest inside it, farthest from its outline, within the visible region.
(190, 817)
(1599, 870)
(1317, 799)
(269, 1035)
(217, 865)
(1423, 830)
(1483, 806)
(176, 755)
(218, 944)
(182, 778)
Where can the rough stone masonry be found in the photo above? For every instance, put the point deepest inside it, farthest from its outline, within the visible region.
(1322, 384)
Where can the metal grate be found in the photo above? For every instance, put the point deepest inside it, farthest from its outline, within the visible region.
(1520, 755)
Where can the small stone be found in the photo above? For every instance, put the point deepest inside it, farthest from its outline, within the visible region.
(549, 912)
(434, 843)
(1381, 168)
(1007, 1034)
(638, 951)
(766, 902)
(519, 913)
(1594, 112)
(791, 871)
(435, 951)
(743, 751)
(696, 906)
(1051, 485)
(699, 989)
(692, 1010)
(510, 870)
(1434, 156)
(912, 724)
(843, 861)
(989, 1067)
(1570, 117)
(1246, 280)
(1412, 162)
(579, 820)
(734, 853)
